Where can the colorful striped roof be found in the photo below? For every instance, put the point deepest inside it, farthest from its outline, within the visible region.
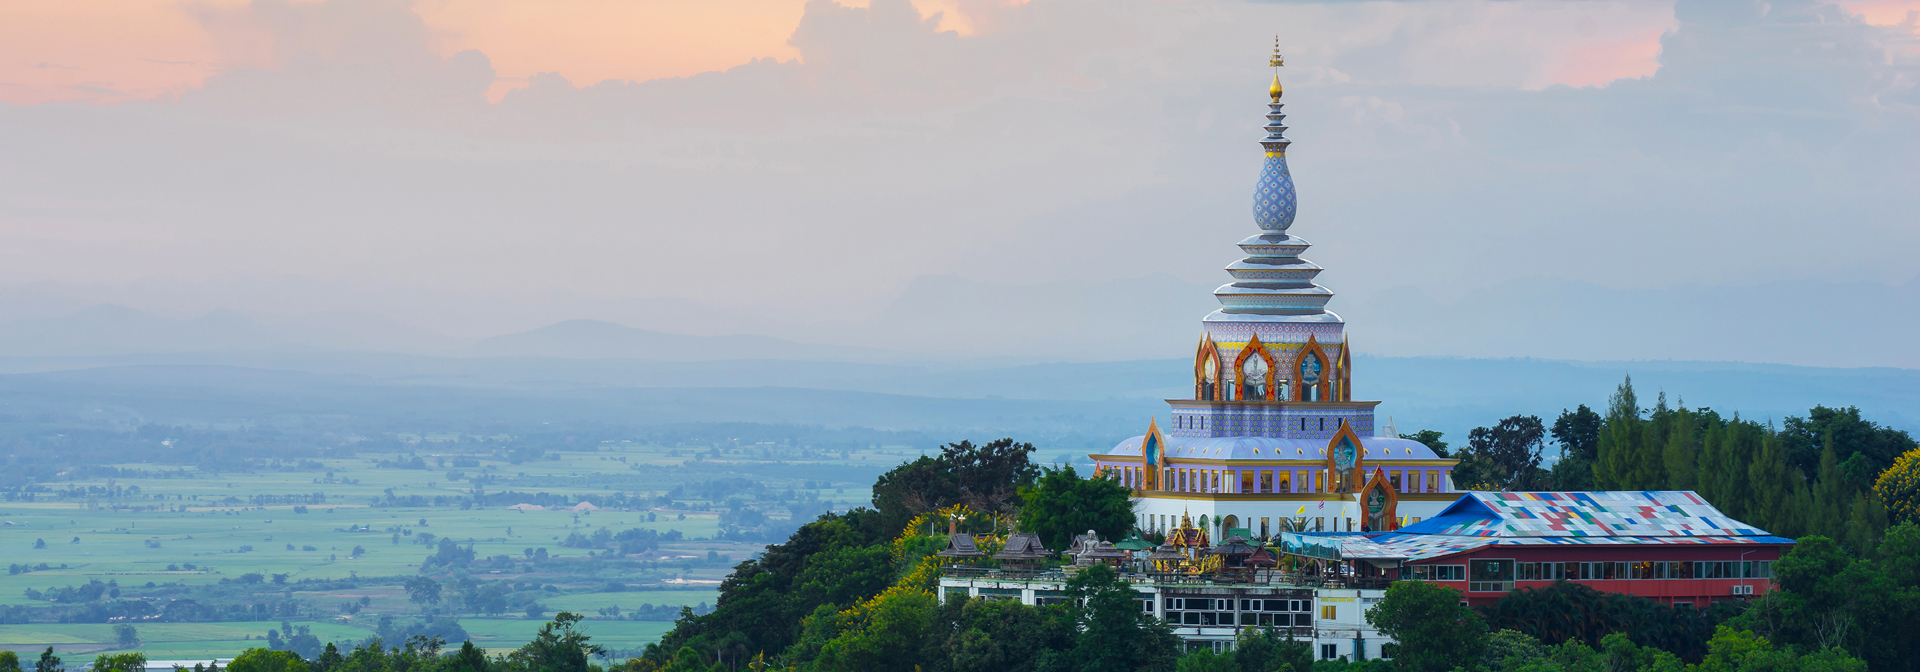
(1417, 547)
(1621, 513)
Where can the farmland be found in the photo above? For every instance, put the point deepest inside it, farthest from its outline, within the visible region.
(204, 560)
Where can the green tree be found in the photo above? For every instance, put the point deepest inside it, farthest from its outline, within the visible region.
(1430, 439)
(120, 662)
(1062, 504)
(1577, 433)
(468, 659)
(1513, 447)
(9, 661)
(1262, 650)
(1004, 635)
(1680, 452)
(267, 660)
(1867, 448)
(423, 591)
(1505, 644)
(558, 647)
(889, 634)
(1435, 632)
(985, 478)
(1620, 437)
(48, 662)
(125, 636)
(1115, 634)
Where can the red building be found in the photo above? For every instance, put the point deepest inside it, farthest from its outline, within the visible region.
(1672, 547)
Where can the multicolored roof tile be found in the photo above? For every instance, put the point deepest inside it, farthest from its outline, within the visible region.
(1622, 513)
(1621, 517)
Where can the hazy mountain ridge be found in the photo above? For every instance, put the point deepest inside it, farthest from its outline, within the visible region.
(1106, 400)
(950, 320)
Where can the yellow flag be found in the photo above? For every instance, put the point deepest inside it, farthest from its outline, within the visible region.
(1302, 511)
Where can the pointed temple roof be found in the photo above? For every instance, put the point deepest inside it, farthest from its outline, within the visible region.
(960, 545)
(1273, 283)
(1022, 546)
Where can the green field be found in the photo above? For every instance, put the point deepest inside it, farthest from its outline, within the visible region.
(97, 530)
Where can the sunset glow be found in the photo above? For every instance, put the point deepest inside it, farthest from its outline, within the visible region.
(100, 51)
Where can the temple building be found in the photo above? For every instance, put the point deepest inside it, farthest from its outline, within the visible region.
(1276, 504)
(1272, 439)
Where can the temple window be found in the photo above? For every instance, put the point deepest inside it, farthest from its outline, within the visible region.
(1246, 482)
(1394, 478)
(1210, 373)
(1286, 482)
(1253, 378)
(1266, 481)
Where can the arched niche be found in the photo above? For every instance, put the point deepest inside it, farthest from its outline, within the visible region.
(1312, 373)
(1253, 372)
(1206, 370)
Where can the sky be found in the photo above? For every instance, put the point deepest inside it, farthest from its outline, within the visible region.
(1575, 179)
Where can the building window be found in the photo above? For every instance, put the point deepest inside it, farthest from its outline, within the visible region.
(1329, 651)
(1329, 612)
(1489, 576)
(1394, 478)
(1266, 481)
(1286, 482)
(1433, 481)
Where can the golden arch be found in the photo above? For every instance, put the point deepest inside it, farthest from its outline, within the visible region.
(1380, 503)
(1320, 389)
(1349, 481)
(1240, 368)
(1206, 384)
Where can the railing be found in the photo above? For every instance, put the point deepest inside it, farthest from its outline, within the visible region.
(1489, 586)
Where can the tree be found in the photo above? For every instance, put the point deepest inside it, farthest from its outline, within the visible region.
(1431, 439)
(9, 661)
(1578, 433)
(1003, 635)
(558, 647)
(423, 590)
(1899, 488)
(120, 662)
(48, 662)
(1062, 504)
(468, 659)
(1115, 634)
(267, 660)
(1865, 447)
(1513, 447)
(1435, 632)
(125, 636)
(1620, 439)
(985, 478)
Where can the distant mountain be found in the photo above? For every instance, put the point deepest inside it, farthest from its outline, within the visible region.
(104, 330)
(594, 339)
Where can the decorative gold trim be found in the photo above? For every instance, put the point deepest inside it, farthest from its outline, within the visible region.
(1153, 438)
(1310, 464)
(1290, 496)
(1359, 458)
(1239, 368)
(1379, 481)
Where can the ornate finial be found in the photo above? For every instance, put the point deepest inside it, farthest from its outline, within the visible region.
(1275, 62)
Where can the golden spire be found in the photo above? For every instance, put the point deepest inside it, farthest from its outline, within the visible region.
(1275, 62)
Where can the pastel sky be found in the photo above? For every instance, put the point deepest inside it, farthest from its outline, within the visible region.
(1052, 177)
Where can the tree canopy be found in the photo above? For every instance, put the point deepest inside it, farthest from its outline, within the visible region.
(1063, 504)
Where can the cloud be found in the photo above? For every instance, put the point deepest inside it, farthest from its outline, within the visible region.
(862, 190)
